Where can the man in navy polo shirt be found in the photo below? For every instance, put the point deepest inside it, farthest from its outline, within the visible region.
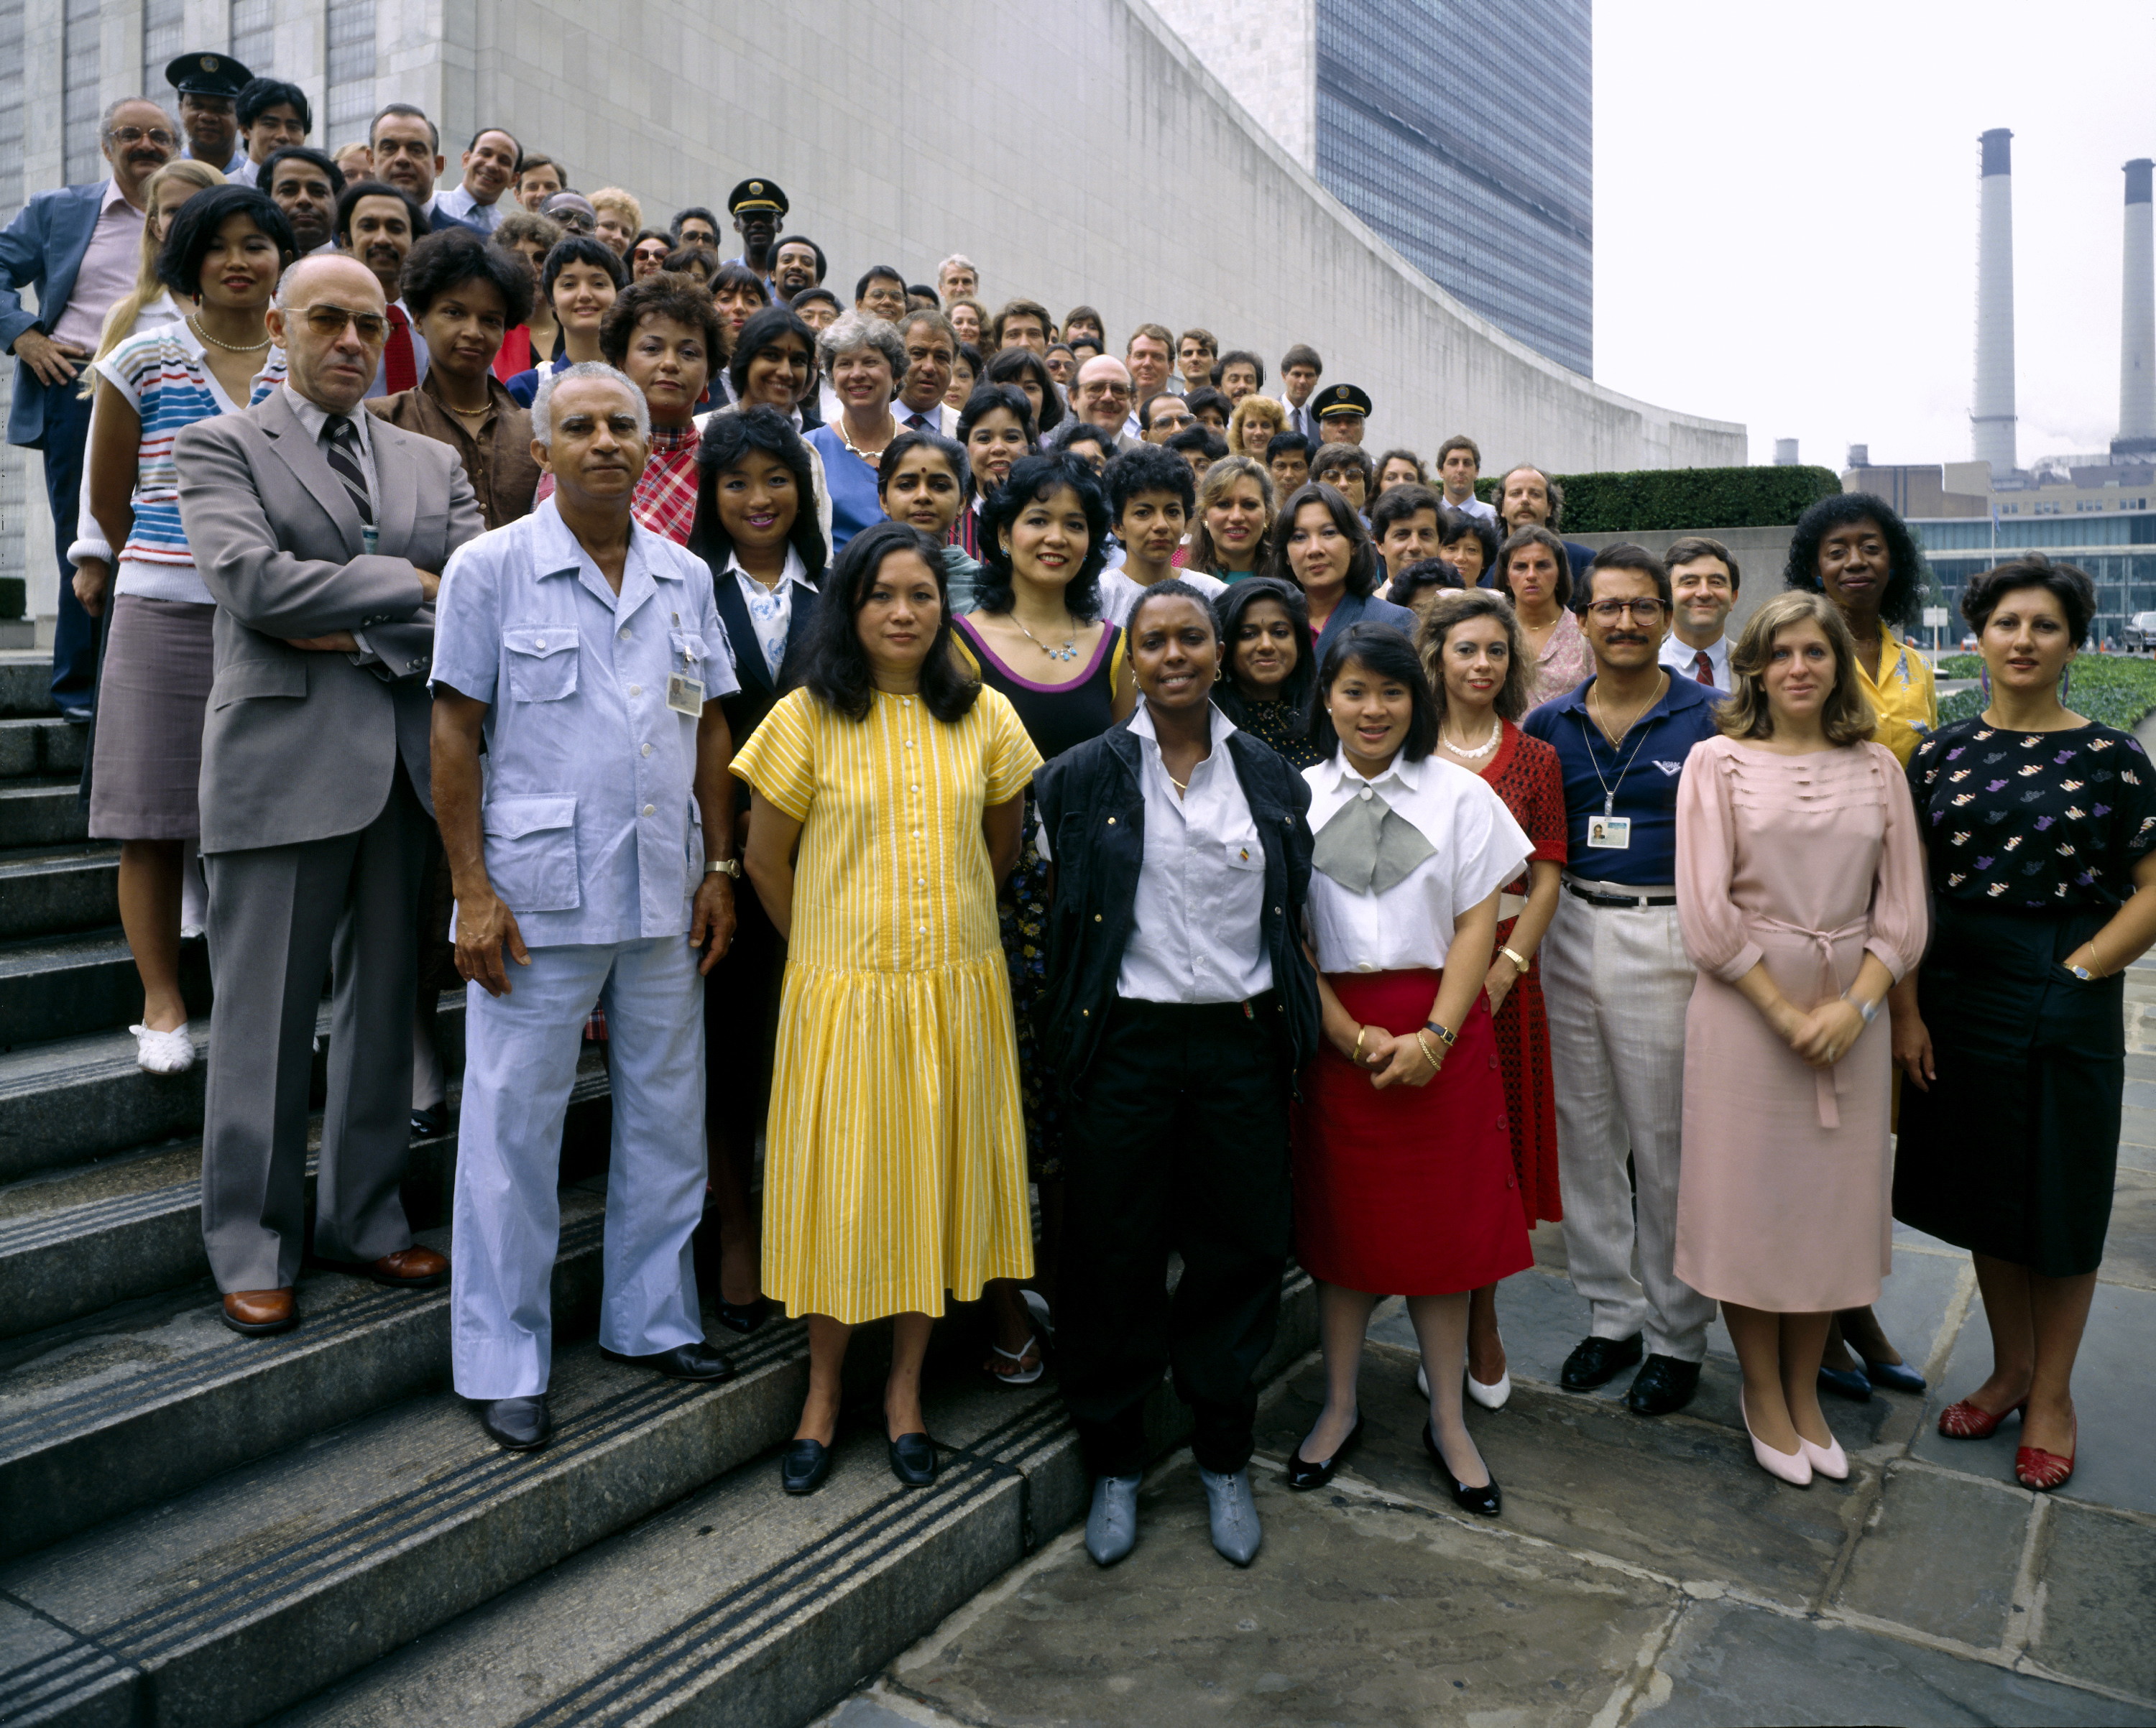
(1616, 981)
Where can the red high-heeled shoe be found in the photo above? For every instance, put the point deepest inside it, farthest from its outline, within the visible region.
(2040, 1471)
(1965, 1421)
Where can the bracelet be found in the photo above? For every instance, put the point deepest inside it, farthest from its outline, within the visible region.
(1360, 1032)
(1867, 1012)
(1519, 965)
(1422, 1043)
(1444, 1036)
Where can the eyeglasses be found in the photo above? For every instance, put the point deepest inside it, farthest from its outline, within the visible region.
(1108, 392)
(1647, 612)
(328, 322)
(131, 135)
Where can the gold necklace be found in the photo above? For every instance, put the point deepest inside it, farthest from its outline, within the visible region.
(1617, 737)
(194, 324)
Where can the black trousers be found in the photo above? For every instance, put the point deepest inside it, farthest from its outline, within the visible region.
(1180, 1144)
(74, 633)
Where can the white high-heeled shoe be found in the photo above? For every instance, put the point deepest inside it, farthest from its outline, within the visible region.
(1795, 1467)
(1828, 1460)
(1490, 1397)
(166, 1053)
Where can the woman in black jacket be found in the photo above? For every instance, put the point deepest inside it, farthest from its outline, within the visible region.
(1179, 1005)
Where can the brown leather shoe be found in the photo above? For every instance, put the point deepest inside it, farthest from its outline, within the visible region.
(410, 1269)
(259, 1313)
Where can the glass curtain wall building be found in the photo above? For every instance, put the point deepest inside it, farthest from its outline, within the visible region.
(2119, 551)
(1462, 132)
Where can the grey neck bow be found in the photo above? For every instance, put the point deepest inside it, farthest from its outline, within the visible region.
(1368, 847)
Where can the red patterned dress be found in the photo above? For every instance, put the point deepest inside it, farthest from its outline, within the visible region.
(1525, 774)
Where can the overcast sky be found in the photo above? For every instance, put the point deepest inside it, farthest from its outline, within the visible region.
(1785, 210)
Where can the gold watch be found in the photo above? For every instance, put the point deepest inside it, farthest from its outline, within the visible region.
(1519, 965)
(723, 867)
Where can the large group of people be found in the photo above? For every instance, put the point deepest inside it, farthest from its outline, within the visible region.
(964, 766)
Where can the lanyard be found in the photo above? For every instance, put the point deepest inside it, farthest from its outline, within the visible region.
(1608, 791)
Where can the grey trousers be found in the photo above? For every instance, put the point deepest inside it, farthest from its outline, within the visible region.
(279, 917)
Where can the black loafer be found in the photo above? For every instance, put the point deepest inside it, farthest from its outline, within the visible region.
(517, 1425)
(1302, 1475)
(1597, 1361)
(913, 1460)
(744, 1317)
(431, 1123)
(803, 1465)
(1486, 1501)
(683, 1361)
(1663, 1385)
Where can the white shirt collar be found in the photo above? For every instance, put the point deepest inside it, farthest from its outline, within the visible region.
(1406, 774)
(313, 416)
(795, 571)
(112, 195)
(1141, 724)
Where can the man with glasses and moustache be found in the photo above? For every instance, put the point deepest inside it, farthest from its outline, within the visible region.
(322, 532)
(1616, 981)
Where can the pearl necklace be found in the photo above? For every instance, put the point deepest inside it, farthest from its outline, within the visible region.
(228, 347)
(1482, 750)
(872, 458)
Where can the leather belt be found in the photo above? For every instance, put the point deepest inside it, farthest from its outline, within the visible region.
(1626, 902)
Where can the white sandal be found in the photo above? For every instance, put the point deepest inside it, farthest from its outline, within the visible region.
(165, 1053)
(1022, 1376)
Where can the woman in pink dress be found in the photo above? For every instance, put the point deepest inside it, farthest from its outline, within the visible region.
(1800, 890)
(1534, 570)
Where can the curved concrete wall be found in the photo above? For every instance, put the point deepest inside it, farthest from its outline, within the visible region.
(1103, 165)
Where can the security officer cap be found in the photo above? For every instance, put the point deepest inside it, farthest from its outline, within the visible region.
(1343, 399)
(206, 75)
(756, 195)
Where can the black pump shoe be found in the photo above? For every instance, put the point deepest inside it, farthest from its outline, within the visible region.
(803, 1465)
(744, 1317)
(913, 1460)
(1486, 1501)
(683, 1361)
(1302, 1475)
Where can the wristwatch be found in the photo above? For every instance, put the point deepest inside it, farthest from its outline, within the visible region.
(2083, 973)
(1867, 1012)
(1447, 1039)
(1519, 965)
(723, 867)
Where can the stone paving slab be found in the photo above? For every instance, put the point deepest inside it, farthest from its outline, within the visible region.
(2093, 1614)
(1942, 1554)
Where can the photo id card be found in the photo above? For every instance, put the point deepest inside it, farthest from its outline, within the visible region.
(1609, 834)
(684, 696)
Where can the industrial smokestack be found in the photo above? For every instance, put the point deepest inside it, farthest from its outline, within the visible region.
(2136, 331)
(1992, 423)
(1785, 452)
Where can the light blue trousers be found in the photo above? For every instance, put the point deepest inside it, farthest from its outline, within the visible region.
(521, 1061)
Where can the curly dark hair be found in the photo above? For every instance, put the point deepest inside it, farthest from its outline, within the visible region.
(180, 261)
(1035, 480)
(439, 261)
(665, 295)
(1908, 577)
(729, 438)
(1172, 588)
(1301, 681)
(2067, 583)
(839, 675)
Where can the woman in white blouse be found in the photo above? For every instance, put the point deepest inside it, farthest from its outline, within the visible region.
(1403, 1176)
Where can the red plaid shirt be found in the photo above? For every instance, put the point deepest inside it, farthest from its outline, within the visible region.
(666, 497)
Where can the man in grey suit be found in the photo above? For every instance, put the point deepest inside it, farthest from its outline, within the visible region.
(322, 531)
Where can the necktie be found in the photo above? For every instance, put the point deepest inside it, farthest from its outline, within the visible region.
(401, 369)
(341, 448)
(1702, 668)
(1368, 847)
(918, 420)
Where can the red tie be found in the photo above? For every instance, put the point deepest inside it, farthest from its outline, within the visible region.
(1702, 668)
(402, 370)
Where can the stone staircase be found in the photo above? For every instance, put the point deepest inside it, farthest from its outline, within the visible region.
(198, 1529)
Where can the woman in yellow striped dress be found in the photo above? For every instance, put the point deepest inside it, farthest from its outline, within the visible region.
(894, 1159)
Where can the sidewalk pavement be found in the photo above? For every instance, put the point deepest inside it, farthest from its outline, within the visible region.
(1644, 1572)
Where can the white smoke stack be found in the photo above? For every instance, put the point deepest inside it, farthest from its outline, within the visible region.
(2137, 333)
(1992, 422)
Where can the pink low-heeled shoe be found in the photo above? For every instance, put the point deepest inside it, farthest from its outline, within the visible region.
(1794, 1468)
(1828, 1460)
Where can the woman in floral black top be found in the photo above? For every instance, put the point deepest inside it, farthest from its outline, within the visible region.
(2040, 831)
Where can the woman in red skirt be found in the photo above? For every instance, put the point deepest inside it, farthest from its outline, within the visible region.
(1472, 650)
(1404, 1179)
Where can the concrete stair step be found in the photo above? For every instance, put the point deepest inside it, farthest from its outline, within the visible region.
(82, 1097)
(249, 1593)
(41, 744)
(26, 683)
(745, 1606)
(44, 810)
(77, 1241)
(152, 1398)
(54, 891)
(54, 986)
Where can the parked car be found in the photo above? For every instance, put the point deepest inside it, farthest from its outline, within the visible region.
(2140, 633)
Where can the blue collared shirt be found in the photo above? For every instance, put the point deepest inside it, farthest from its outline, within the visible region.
(592, 831)
(1642, 787)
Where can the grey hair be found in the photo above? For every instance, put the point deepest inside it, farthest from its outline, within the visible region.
(542, 403)
(962, 261)
(106, 119)
(928, 316)
(851, 331)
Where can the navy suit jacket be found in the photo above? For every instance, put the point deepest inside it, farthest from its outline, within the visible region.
(1353, 609)
(759, 692)
(41, 249)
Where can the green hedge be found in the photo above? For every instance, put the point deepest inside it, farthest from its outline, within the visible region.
(2115, 688)
(1676, 500)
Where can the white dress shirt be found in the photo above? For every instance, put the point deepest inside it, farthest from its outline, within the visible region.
(1119, 594)
(381, 384)
(1681, 657)
(458, 201)
(1478, 848)
(1198, 935)
(107, 270)
(771, 610)
(1474, 507)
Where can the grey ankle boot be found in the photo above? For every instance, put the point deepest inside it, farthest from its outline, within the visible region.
(1234, 1514)
(1112, 1527)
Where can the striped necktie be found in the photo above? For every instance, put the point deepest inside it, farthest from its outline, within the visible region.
(1702, 668)
(341, 449)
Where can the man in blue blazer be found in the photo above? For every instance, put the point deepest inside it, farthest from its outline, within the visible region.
(79, 247)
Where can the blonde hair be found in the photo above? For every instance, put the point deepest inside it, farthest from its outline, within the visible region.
(1447, 612)
(1254, 407)
(1845, 716)
(1219, 478)
(120, 321)
(621, 203)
